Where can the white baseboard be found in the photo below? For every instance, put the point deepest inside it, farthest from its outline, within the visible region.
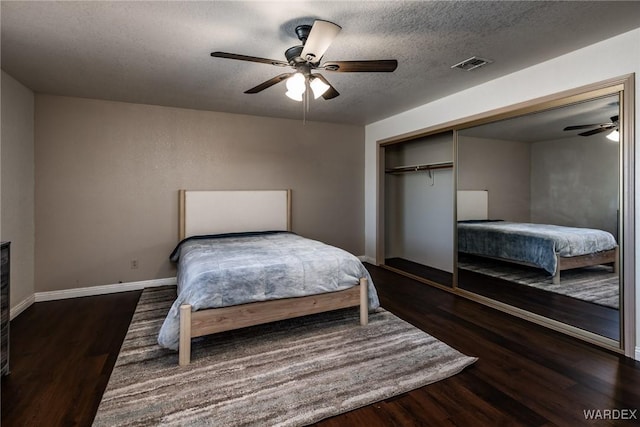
(21, 306)
(86, 292)
(102, 290)
(637, 354)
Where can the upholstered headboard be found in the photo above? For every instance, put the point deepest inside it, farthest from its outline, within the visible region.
(228, 211)
(473, 204)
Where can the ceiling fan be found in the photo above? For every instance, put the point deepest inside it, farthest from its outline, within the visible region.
(305, 61)
(599, 127)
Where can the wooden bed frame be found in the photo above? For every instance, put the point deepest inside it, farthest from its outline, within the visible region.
(213, 212)
(604, 257)
(474, 204)
(568, 263)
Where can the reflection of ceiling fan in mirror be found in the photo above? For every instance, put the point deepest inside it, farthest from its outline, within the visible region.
(306, 58)
(598, 127)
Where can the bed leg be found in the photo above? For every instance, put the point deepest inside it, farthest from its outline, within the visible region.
(184, 350)
(364, 302)
(556, 278)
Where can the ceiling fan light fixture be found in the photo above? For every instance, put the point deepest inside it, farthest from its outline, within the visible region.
(614, 136)
(296, 86)
(318, 87)
(296, 96)
(296, 83)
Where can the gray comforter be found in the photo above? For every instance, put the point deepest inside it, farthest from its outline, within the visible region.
(536, 244)
(241, 268)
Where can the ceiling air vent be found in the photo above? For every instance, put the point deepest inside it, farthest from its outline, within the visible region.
(472, 63)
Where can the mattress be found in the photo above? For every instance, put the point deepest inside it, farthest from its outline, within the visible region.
(239, 268)
(536, 244)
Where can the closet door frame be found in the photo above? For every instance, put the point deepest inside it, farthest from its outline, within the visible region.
(626, 86)
(380, 202)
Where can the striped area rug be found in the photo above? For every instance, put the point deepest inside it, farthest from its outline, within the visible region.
(596, 284)
(287, 373)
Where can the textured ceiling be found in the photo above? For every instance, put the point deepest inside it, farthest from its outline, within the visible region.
(548, 125)
(159, 52)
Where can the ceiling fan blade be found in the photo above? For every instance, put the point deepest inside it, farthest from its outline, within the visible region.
(320, 38)
(249, 58)
(269, 83)
(595, 131)
(582, 126)
(331, 92)
(376, 66)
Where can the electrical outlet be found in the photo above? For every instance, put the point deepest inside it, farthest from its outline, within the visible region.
(134, 264)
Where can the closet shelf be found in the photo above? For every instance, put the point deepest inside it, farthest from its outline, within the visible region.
(418, 168)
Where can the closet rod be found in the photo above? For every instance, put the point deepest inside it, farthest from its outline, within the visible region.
(417, 168)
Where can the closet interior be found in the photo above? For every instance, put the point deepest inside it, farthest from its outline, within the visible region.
(419, 207)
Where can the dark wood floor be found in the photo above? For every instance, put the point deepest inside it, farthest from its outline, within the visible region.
(585, 315)
(63, 351)
(61, 357)
(419, 270)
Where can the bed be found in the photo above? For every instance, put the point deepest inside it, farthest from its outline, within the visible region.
(240, 265)
(553, 248)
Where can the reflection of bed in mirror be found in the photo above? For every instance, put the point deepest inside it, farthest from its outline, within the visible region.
(550, 247)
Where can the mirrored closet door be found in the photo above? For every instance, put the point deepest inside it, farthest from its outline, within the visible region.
(539, 214)
(529, 209)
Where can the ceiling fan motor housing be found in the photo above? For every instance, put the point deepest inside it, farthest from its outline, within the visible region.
(293, 55)
(302, 31)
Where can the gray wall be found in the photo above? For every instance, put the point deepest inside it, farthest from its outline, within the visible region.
(108, 175)
(419, 207)
(570, 181)
(574, 182)
(502, 168)
(17, 185)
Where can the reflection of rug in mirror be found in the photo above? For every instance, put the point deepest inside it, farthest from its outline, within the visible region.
(290, 373)
(597, 284)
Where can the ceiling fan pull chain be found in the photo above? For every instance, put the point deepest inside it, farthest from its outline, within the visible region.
(305, 101)
(304, 108)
